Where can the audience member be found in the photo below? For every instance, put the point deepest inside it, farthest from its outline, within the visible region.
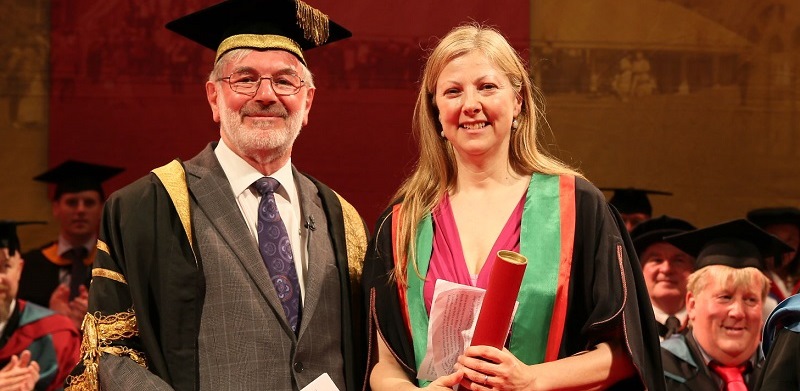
(633, 204)
(784, 272)
(724, 301)
(38, 347)
(57, 274)
(666, 269)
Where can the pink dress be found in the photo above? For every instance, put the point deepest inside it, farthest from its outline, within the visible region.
(447, 259)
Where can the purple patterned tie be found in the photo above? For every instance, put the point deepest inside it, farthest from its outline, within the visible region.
(276, 250)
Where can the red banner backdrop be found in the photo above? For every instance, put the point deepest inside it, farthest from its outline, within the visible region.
(127, 92)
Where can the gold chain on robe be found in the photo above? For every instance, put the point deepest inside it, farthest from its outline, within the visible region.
(99, 333)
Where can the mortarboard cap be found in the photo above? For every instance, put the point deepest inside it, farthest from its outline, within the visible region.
(8, 234)
(654, 230)
(632, 200)
(73, 176)
(778, 215)
(737, 243)
(289, 25)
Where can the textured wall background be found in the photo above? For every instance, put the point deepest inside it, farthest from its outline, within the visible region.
(696, 97)
(24, 81)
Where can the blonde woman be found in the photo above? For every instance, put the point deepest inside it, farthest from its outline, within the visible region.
(482, 184)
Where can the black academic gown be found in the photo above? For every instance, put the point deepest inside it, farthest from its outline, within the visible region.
(782, 369)
(598, 305)
(781, 344)
(165, 286)
(685, 369)
(40, 276)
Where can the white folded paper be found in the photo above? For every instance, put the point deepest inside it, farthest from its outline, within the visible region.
(322, 383)
(454, 311)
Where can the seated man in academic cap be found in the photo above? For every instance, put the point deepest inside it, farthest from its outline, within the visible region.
(633, 204)
(724, 301)
(666, 270)
(38, 347)
(784, 223)
(233, 270)
(57, 274)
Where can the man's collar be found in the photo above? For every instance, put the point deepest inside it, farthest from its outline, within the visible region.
(241, 175)
(661, 316)
(4, 323)
(64, 245)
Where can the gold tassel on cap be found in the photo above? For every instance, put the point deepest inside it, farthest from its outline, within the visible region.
(313, 22)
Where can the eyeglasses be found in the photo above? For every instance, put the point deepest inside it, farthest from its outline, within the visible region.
(247, 83)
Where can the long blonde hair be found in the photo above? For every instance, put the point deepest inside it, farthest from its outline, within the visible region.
(435, 171)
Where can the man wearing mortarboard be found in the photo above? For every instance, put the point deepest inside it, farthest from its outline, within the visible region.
(38, 347)
(233, 270)
(57, 274)
(784, 223)
(633, 204)
(724, 300)
(666, 270)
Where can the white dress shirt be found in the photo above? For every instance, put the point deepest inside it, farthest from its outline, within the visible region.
(661, 316)
(4, 323)
(241, 177)
(65, 272)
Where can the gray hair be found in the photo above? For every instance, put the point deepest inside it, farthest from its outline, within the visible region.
(237, 54)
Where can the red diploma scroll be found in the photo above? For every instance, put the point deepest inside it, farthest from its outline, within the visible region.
(494, 319)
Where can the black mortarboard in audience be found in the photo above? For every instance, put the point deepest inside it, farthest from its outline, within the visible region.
(777, 215)
(654, 230)
(737, 243)
(74, 176)
(8, 234)
(632, 200)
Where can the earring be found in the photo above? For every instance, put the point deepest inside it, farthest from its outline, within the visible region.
(442, 133)
(514, 124)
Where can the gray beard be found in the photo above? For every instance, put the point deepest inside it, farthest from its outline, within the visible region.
(260, 142)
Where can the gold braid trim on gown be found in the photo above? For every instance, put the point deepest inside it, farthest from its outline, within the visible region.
(99, 333)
